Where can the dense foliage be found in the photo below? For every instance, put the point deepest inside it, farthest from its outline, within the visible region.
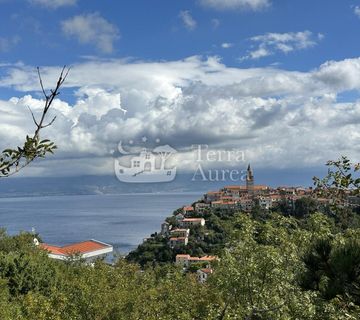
(273, 268)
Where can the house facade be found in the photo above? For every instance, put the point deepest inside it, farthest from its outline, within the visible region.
(189, 222)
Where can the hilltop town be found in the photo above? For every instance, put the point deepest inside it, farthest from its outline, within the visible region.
(195, 233)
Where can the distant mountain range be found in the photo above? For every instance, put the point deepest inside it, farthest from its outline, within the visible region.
(17, 187)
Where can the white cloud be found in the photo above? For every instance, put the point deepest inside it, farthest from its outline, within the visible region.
(227, 45)
(236, 4)
(357, 11)
(280, 118)
(188, 21)
(92, 29)
(53, 4)
(270, 43)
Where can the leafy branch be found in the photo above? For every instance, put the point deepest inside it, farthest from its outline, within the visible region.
(13, 160)
(341, 180)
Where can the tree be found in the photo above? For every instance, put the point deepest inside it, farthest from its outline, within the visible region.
(341, 180)
(305, 206)
(13, 160)
(256, 275)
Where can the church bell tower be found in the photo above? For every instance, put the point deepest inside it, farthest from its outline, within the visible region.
(250, 180)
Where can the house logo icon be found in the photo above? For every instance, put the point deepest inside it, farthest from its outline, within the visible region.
(148, 166)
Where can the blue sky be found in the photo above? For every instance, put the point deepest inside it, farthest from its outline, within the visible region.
(153, 30)
(279, 79)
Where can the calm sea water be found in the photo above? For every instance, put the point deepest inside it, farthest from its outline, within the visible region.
(121, 220)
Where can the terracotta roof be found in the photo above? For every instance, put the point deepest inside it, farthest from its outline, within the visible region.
(177, 238)
(52, 249)
(207, 270)
(81, 247)
(223, 202)
(260, 187)
(235, 187)
(275, 196)
(192, 219)
(188, 208)
(182, 255)
(207, 258)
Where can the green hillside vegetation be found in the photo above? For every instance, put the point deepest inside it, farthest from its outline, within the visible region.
(278, 268)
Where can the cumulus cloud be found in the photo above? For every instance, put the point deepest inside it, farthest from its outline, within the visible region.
(53, 4)
(270, 43)
(279, 118)
(236, 4)
(92, 29)
(188, 21)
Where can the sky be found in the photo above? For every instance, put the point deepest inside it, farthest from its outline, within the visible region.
(277, 80)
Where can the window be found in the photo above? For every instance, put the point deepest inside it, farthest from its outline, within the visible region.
(136, 164)
(147, 157)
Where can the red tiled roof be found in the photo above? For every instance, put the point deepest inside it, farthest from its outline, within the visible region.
(207, 270)
(192, 219)
(188, 208)
(207, 258)
(81, 247)
(52, 249)
(260, 187)
(235, 187)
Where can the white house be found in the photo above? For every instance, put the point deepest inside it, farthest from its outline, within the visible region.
(201, 206)
(203, 274)
(189, 222)
(176, 241)
(180, 232)
(246, 204)
(188, 209)
(265, 202)
(88, 250)
(221, 204)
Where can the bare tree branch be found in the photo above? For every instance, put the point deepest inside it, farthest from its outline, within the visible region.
(33, 117)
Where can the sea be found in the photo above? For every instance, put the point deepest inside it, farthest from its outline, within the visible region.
(122, 220)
